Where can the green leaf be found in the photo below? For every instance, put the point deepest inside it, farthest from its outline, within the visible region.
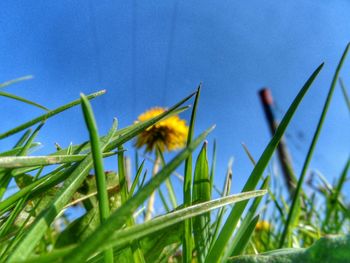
(201, 193)
(222, 241)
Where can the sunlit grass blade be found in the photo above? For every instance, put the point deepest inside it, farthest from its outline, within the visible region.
(48, 115)
(201, 193)
(121, 215)
(13, 81)
(30, 161)
(29, 102)
(100, 176)
(127, 235)
(238, 242)
(298, 191)
(44, 219)
(225, 192)
(246, 235)
(187, 187)
(222, 241)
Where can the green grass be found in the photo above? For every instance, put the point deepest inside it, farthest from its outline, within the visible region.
(113, 227)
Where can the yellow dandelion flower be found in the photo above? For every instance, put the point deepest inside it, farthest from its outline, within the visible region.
(168, 134)
(262, 226)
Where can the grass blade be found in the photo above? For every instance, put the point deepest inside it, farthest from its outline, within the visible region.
(100, 176)
(127, 235)
(201, 193)
(345, 93)
(48, 115)
(187, 187)
(13, 81)
(30, 161)
(296, 199)
(220, 244)
(14, 97)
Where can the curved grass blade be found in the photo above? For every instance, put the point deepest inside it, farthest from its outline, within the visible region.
(15, 97)
(13, 81)
(48, 115)
(100, 176)
(222, 241)
(121, 215)
(297, 194)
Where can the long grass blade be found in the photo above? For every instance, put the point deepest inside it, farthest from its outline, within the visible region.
(187, 187)
(221, 243)
(100, 176)
(15, 97)
(48, 115)
(296, 199)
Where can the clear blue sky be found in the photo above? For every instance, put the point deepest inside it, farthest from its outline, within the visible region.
(150, 53)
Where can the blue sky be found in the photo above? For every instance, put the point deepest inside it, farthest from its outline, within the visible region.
(153, 53)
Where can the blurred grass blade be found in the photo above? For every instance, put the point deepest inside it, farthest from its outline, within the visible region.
(48, 115)
(13, 81)
(63, 196)
(245, 237)
(100, 176)
(122, 214)
(222, 241)
(297, 194)
(187, 187)
(14, 97)
(225, 192)
(23, 138)
(168, 183)
(201, 193)
(136, 179)
(212, 168)
(345, 93)
(240, 237)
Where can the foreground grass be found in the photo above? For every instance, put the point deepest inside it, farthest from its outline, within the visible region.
(112, 229)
